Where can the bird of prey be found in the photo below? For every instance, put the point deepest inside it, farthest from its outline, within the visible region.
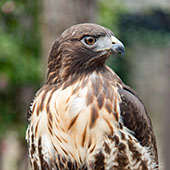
(84, 117)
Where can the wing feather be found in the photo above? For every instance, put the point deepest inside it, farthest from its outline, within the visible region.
(136, 118)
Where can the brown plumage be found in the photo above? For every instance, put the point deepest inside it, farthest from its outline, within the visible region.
(85, 117)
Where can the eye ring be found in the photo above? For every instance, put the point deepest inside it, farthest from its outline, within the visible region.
(89, 40)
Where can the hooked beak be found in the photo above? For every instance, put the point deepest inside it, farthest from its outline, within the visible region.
(117, 46)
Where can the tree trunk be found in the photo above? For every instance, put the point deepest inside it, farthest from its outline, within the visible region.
(61, 14)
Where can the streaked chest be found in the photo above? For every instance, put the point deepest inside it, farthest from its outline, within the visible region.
(87, 109)
(90, 102)
(81, 121)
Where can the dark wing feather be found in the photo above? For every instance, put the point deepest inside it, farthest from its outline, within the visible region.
(135, 118)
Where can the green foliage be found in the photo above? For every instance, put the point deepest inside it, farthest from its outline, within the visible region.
(109, 14)
(20, 62)
(19, 65)
(145, 36)
(150, 27)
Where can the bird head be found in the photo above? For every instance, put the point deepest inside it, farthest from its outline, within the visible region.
(83, 48)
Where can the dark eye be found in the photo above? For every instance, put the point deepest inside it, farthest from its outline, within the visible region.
(89, 40)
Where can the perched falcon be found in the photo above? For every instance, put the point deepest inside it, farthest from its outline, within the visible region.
(85, 117)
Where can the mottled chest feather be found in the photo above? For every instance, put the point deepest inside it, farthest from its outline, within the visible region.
(80, 127)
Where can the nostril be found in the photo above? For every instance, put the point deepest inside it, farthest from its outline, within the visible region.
(113, 43)
(118, 49)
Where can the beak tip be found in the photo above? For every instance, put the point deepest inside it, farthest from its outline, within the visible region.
(118, 49)
(121, 50)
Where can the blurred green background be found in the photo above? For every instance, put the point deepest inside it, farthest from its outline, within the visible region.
(27, 30)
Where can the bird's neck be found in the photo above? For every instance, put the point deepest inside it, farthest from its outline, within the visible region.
(69, 74)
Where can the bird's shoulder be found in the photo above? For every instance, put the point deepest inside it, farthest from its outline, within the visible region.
(134, 115)
(136, 118)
